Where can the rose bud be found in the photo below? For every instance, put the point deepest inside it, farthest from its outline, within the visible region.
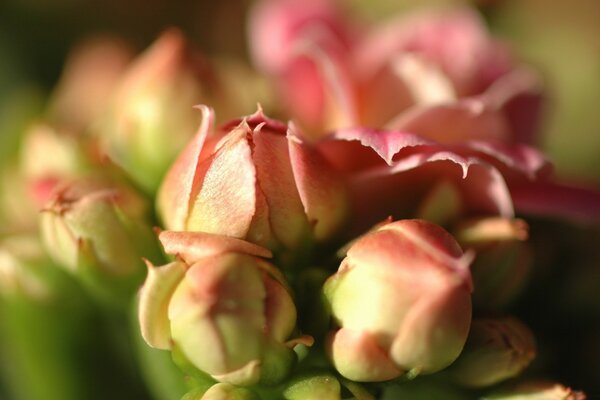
(402, 301)
(257, 180)
(99, 231)
(220, 309)
(151, 116)
(504, 259)
(221, 391)
(496, 349)
(536, 391)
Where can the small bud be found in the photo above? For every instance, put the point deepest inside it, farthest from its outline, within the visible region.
(536, 391)
(222, 391)
(257, 181)
(323, 387)
(90, 75)
(98, 231)
(226, 313)
(151, 116)
(49, 156)
(402, 300)
(503, 262)
(496, 349)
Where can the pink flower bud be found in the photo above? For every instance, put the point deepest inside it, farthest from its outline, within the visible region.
(151, 116)
(98, 231)
(227, 312)
(89, 77)
(256, 179)
(402, 300)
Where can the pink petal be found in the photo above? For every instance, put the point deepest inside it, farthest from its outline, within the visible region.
(317, 88)
(276, 181)
(175, 194)
(512, 159)
(398, 190)
(321, 190)
(358, 148)
(451, 123)
(558, 200)
(519, 96)
(358, 356)
(275, 27)
(192, 246)
(224, 198)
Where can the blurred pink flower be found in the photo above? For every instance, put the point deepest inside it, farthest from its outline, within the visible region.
(422, 72)
(407, 175)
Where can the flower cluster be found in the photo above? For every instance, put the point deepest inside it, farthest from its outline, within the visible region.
(362, 244)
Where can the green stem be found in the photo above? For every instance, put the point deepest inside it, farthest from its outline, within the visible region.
(41, 347)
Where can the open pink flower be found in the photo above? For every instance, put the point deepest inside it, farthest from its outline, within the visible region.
(417, 73)
(391, 172)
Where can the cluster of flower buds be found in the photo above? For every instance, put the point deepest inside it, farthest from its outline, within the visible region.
(422, 123)
(365, 244)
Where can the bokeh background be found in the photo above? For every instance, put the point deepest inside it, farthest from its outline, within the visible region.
(560, 38)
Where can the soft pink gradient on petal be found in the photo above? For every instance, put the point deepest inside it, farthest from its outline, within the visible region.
(512, 159)
(519, 96)
(398, 190)
(174, 197)
(356, 149)
(276, 180)
(275, 26)
(192, 246)
(354, 352)
(321, 190)
(453, 122)
(558, 199)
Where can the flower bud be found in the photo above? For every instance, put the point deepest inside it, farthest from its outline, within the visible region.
(536, 391)
(221, 391)
(503, 262)
(151, 116)
(220, 309)
(89, 77)
(402, 300)
(98, 231)
(49, 156)
(257, 181)
(496, 349)
(323, 387)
